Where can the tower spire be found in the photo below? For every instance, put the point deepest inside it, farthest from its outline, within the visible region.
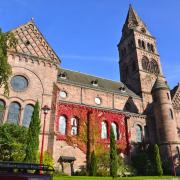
(133, 21)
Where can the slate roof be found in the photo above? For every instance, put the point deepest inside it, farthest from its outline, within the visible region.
(160, 83)
(82, 79)
(175, 96)
(31, 42)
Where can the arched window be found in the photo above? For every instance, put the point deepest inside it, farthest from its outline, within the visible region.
(154, 67)
(74, 126)
(171, 113)
(28, 111)
(62, 125)
(152, 48)
(143, 45)
(104, 134)
(149, 47)
(2, 109)
(138, 130)
(145, 63)
(14, 113)
(115, 130)
(139, 43)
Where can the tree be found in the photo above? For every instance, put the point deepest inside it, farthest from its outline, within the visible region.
(33, 136)
(113, 155)
(12, 142)
(157, 161)
(93, 165)
(7, 41)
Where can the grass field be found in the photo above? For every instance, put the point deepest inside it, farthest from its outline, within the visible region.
(109, 178)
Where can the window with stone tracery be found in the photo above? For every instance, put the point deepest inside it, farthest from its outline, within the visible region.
(115, 130)
(28, 111)
(154, 67)
(14, 113)
(62, 125)
(104, 134)
(74, 126)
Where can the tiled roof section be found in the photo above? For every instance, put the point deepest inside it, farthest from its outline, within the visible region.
(175, 96)
(160, 84)
(31, 42)
(94, 82)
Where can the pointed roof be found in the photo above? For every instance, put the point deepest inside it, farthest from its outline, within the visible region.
(175, 96)
(133, 21)
(31, 42)
(132, 18)
(160, 83)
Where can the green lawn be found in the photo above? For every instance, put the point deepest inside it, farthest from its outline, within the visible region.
(109, 178)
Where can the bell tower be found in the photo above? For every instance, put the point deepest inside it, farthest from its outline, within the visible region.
(139, 60)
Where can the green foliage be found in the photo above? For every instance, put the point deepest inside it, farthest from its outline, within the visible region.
(7, 41)
(148, 162)
(113, 155)
(33, 136)
(140, 162)
(157, 161)
(93, 165)
(103, 164)
(12, 142)
(47, 160)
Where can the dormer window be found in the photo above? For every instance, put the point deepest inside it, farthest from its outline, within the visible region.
(122, 89)
(95, 82)
(63, 75)
(143, 30)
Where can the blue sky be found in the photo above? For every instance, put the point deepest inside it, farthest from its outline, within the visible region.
(85, 33)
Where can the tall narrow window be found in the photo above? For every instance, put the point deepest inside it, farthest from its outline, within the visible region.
(28, 111)
(74, 126)
(62, 125)
(14, 113)
(168, 96)
(149, 47)
(115, 130)
(171, 114)
(139, 43)
(2, 109)
(138, 130)
(143, 45)
(104, 130)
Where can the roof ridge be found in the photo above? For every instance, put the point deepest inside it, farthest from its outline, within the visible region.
(91, 75)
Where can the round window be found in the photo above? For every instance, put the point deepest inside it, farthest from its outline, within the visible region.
(19, 83)
(98, 100)
(63, 94)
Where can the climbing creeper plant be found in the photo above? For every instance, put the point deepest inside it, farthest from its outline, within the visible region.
(7, 41)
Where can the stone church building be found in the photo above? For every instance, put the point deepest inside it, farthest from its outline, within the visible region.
(139, 108)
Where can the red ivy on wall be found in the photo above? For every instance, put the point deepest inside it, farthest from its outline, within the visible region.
(81, 113)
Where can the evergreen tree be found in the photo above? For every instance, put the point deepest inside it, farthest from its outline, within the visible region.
(157, 161)
(7, 41)
(93, 165)
(113, 155)
(33, 136)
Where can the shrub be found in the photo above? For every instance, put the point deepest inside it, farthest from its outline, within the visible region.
(12, 142)
(93, 165)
